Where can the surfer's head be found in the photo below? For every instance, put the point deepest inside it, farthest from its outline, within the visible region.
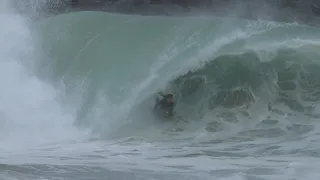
(169, 97)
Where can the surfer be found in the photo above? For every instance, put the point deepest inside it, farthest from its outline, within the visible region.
(166, 103)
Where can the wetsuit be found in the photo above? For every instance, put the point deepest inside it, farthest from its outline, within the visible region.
(164, 105)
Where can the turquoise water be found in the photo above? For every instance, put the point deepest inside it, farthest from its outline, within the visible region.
(79, 90)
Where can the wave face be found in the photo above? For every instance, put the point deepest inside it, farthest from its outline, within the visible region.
(246, 95)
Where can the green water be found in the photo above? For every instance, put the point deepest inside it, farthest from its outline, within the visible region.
(121, 61)
(246, 95)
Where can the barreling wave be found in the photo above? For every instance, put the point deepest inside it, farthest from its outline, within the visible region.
(218, 68)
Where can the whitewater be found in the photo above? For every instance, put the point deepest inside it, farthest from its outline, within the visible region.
(77, 92)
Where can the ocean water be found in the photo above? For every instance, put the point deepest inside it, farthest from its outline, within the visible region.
(77, 92)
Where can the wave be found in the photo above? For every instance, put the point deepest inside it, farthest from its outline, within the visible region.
(220, 70)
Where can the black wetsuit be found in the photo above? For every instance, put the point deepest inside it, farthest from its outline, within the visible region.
(164, 105)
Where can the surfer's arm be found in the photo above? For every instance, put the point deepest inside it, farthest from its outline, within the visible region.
(161, 94)
(157, 103)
